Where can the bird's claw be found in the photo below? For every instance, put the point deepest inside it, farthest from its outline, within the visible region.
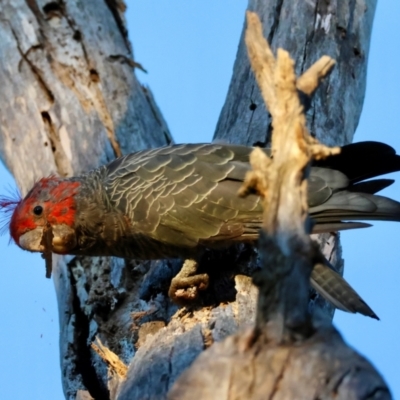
(185, 286)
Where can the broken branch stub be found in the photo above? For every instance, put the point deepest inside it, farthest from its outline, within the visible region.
(285, 245)
(282, 181)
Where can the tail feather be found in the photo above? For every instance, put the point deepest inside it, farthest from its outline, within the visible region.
(352, 206)
(334, 226)
(363, 160)
(336, 290)
(359, 163)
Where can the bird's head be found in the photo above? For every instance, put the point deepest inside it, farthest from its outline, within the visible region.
(49, 205)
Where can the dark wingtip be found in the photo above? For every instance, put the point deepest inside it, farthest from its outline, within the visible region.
(367, 310)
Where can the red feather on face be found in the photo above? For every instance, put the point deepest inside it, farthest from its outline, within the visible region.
(55, 196)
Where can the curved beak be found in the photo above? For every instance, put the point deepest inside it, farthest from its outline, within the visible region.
(64, 240)
(31, 240)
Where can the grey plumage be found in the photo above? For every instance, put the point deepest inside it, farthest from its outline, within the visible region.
(177, 201)
(185, 196)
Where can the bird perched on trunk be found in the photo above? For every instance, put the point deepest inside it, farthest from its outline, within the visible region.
(177, 201)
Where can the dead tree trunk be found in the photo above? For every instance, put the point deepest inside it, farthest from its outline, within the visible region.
(69, 92)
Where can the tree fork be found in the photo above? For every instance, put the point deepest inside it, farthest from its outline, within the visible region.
(126, 312)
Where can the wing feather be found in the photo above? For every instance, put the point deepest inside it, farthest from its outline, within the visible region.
(191, 191)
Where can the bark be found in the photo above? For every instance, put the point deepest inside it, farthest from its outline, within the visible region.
(69, 93)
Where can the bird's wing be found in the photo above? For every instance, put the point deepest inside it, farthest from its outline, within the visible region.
(185, 194)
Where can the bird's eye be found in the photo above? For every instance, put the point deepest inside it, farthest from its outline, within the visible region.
(38, 210)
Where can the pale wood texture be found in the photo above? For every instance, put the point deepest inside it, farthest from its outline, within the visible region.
(288, 354)
(70, 101)
(307, 30)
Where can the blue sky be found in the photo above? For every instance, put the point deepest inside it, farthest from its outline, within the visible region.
(188, 49)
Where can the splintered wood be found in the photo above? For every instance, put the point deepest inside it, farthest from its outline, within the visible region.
(115, 365)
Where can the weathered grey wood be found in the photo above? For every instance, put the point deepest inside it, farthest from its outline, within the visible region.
(227, 371)
(307, 30)
(70, 101)
(69, 80)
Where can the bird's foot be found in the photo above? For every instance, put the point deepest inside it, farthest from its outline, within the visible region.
(185, 286)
